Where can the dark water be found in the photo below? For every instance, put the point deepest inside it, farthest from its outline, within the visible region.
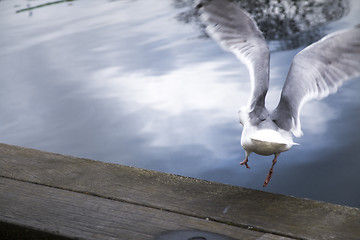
(138, 83)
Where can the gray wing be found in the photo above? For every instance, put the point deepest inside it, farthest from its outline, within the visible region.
(235, 31)
(316, 72)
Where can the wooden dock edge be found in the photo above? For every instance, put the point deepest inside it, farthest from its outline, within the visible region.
(51, 196)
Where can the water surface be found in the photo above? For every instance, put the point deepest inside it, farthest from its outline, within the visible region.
(138, 83)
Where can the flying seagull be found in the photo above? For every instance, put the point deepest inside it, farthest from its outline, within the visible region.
(315, 72)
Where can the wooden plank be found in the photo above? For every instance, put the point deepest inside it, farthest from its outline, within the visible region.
(82, 216)
(271, 213)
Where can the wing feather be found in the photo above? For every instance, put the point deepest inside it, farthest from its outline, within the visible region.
(316, 72)
(235, 31)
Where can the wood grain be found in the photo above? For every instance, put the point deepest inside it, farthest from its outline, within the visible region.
(271, 213)
(82, 216)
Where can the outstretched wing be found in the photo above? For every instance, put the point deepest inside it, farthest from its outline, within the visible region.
(235, 31)
(316, 72)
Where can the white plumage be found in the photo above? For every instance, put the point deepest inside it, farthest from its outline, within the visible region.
(315, 72)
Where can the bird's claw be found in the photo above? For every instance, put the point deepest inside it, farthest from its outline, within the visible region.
(245, 163)
(268, 177)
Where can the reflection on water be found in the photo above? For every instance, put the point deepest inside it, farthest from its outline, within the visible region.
(29, 7)
(292, 23)
(127, 82)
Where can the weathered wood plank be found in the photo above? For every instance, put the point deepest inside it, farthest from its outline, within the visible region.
(272, 213)
(82, 216)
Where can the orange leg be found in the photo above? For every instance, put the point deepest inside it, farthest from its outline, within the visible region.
(267, 180)
(245, 161)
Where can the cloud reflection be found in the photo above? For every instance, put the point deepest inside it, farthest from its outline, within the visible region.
(116, 82)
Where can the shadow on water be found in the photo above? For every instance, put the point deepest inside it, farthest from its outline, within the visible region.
(290, 24)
